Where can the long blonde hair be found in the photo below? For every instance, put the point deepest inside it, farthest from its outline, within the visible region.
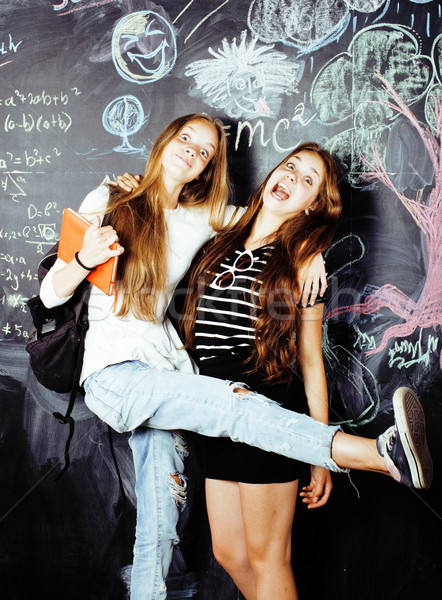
(139, 219)
(296, 240)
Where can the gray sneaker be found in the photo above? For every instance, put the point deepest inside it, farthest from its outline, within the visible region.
(404, 445)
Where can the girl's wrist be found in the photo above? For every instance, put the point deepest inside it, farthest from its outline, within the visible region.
(80, 262)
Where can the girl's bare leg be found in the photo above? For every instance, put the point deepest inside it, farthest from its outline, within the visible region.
(251, 535)
(228, 535)
(268, 511)
(353, 452)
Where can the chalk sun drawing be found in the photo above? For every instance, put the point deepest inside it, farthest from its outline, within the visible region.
(245, 80)
(426, 312)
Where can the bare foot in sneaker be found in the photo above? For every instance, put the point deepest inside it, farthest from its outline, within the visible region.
(401, 451)
(404, 445)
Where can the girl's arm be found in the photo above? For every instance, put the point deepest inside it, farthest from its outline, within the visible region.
(94, 251)
(63, 279)
(311, 367)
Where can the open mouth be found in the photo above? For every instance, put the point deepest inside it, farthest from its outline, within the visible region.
(281, 192)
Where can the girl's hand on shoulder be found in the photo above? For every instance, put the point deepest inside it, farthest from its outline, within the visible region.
(127, 182)
(96, 245)
(312, 280)
(317, 493)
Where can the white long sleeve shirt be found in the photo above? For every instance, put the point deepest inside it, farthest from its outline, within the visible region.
(111, 339)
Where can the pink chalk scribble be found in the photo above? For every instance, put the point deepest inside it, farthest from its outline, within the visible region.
(427, 311)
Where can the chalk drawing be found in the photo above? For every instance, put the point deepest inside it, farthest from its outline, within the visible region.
(64, 3)
(143, 47)
(405, 354)
(355, 383)
(124, 116)
(245, 79)
(347, 89)
(365, 6)
(426, 311)
(434, 99)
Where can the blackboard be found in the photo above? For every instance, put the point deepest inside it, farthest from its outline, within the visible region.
(85, 87)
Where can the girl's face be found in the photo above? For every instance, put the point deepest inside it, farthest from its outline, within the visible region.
(294, 186)
(187, 155)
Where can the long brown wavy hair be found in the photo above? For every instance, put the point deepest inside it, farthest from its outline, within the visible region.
(139, 219)
(296, 240)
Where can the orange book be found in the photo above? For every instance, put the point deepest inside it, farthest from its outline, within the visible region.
(73, 228)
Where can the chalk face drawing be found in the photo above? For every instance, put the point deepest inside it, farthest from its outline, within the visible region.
(425, 311)
(124, 116)
(245, 80)
(347, 88)
(143, 47)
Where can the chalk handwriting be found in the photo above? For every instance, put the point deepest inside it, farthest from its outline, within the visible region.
(404, 354)
(28, 122)
(8, 47)
(364, 340)
(33, 99)
(13, 185)
(258, 128)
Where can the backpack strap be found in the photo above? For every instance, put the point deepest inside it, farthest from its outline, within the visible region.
(66, 419)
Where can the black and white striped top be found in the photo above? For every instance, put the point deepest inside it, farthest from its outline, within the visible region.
(226, 317)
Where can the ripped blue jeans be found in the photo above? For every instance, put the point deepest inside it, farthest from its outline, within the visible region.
(131, 394)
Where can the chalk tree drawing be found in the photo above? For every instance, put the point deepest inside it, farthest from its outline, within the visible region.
(426, 312)
(305, 25)
(245, 80)
(348, 88)
(124, 116)
(143, 47)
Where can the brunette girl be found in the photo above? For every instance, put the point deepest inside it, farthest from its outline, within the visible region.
(243, 320)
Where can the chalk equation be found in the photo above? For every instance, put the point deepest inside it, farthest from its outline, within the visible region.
(283, 136)
(28, 159)
(143, 47)
(34, 99)
(28, 122)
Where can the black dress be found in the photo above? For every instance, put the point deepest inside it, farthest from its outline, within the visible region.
(224, 339)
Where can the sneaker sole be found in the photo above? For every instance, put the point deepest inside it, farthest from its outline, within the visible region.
(410, 421)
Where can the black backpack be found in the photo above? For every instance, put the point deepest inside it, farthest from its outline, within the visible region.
(56, 348)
